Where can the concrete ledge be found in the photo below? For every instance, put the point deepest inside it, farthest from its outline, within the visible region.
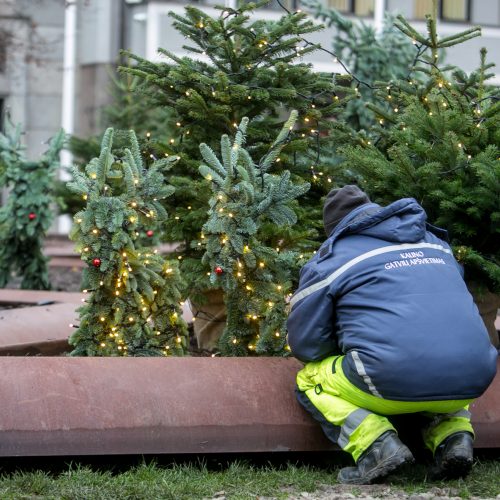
(104, 406)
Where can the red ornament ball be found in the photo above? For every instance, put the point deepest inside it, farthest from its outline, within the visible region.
(96, 262)
(150, 233)
(218, 270)
(31, 216)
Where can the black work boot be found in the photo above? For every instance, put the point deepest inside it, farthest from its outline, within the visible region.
(453, 457)
(385, 455)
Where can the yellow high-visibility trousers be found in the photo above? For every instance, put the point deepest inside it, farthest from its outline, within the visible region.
(354, 419)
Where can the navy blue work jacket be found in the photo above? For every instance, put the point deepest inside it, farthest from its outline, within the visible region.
(388, 293)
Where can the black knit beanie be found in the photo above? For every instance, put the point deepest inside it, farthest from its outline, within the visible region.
(340, 202)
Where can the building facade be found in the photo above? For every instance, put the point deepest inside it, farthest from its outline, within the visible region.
(33, 35)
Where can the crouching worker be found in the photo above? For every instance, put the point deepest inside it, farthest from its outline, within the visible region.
(385, 325)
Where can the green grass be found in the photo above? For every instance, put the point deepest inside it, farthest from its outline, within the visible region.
(239, 480)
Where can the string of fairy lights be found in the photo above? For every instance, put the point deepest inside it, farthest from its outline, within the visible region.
(239, 271)
(267, 45)
(126, 262)
(250, 275)
(201, 25)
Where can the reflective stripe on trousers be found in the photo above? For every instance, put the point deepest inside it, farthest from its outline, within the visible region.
(354, 419)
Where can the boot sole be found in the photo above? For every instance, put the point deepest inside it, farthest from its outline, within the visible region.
(383, 469)
(453, 468)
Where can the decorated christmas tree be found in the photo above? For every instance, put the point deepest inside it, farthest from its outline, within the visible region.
(133, 299)
(440, 144)
(241, 67)
(255, 277)
(126, 111)
(26, 217)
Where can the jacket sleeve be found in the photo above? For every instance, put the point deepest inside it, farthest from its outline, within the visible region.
(311, 335)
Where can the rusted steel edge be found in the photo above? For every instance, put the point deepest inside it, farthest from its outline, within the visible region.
(107, 406)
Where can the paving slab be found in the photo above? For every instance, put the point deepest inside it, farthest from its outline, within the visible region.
(104, 406)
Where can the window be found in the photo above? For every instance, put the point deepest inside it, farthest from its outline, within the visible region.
(357, 7)
(455, 10)
(340, 5)
(449, 10)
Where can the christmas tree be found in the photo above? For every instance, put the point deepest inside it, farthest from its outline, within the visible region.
(255, 277)
(10, 146)
(126, 111)
(369, 55)
(440, 144)
(26, 217)
(133, 302)
(241, 67)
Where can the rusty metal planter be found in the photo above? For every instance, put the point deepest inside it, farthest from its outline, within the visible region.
(103, 406)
